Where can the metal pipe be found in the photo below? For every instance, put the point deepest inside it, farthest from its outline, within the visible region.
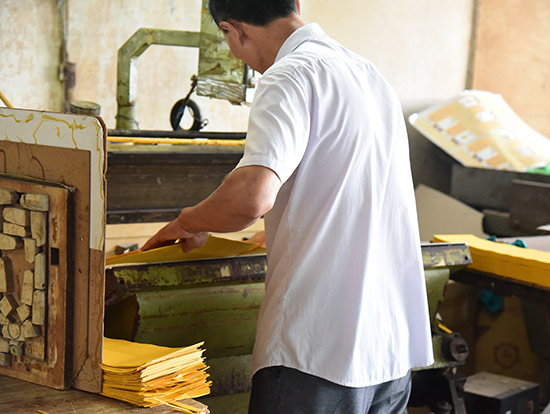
(5, 100)
(141, 133)
(127, 57)
(175, 141)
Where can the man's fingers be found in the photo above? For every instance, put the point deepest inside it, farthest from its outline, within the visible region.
(164, 237)
(194, 242)
(156, 241)
(156, 244)
(167, 236)
(186, 246)
(259, 238)
(150, 244)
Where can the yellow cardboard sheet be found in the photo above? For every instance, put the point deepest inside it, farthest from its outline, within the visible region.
(215, 247)
(502, 259)
(121, 353)
(151, 375)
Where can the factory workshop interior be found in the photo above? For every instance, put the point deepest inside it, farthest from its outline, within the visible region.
(116, 115)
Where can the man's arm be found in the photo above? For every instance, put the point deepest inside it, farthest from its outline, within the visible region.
(243, 197)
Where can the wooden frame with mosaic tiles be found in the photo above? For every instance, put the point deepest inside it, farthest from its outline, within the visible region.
(63, 156)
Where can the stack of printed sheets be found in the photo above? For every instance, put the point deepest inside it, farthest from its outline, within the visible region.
(150, 375)
(502, 259)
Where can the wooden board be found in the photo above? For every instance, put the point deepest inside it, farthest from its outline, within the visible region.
(45, 358)
(512, 56)
(70, 150)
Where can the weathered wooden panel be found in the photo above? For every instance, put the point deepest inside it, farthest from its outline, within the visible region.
(20, 397)
(70, 150)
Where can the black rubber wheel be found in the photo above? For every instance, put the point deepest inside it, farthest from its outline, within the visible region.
(177, 114)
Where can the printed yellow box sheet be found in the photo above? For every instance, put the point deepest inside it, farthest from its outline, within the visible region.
(502, 259)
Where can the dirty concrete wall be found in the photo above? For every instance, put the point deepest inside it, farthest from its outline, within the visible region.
(30, 41)
(30, 46)
(421, 47)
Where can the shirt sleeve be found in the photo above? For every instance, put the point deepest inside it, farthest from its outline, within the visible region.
(279, 125)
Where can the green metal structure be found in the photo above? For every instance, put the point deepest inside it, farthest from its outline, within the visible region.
(220, 74)
(217, 301)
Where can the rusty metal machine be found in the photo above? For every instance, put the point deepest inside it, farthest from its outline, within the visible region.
(218, 300)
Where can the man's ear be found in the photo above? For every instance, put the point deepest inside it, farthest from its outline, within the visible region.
(225, 26)
(233, 29)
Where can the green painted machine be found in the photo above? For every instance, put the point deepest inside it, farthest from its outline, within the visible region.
(217, 301)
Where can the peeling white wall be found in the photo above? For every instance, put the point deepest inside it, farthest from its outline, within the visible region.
(30, 40)
(420, 46)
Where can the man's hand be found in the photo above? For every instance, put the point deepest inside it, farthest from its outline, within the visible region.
(245, 195)
(259, 238)
(172, 233)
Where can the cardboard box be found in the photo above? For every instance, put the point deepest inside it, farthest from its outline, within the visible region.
(486, 393)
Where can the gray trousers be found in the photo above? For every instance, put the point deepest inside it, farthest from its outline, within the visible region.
(281, 390)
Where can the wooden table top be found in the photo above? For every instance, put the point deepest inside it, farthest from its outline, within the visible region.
(18, 396)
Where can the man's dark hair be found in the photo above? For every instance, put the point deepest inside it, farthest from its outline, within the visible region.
(256, 12)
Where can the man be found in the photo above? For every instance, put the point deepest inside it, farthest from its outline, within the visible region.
(345, 316)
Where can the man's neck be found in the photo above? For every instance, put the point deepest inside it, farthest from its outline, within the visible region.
(269, 39)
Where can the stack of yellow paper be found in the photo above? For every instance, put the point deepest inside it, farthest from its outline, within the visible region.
(502, 259)
(150, 375)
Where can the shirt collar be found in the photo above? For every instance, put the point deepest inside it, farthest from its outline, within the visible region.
(299, 36)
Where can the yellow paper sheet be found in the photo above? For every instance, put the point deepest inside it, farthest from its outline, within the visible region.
(215, 247)
(119, 353)
(150, 375)
(502, 259)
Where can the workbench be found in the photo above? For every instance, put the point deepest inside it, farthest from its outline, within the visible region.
(19, 397)
(243, 275)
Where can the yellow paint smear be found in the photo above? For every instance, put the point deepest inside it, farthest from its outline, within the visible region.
(74, 126)
(18, 121)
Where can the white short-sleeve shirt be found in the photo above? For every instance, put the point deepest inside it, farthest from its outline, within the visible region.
(345, 291)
